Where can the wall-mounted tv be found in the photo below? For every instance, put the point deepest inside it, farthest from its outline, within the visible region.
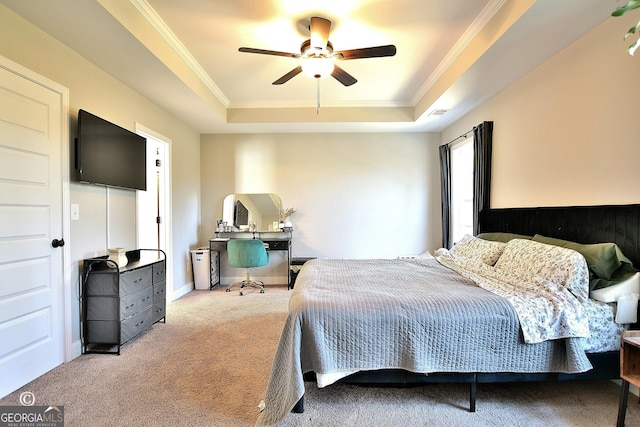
(240, 215)
(107, 154)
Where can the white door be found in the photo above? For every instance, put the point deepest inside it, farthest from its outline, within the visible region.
(33, 124)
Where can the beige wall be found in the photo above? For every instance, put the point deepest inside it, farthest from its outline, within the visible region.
(357, 195)
(92, 89)
(568, 133)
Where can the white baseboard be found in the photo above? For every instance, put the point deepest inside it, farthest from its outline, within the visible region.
(182, 291)
(75, 350)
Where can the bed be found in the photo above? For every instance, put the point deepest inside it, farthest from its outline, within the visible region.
(453, 317)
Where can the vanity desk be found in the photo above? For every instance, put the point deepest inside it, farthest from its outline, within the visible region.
(274, 241)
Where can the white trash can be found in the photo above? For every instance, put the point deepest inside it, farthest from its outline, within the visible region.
(200, 265)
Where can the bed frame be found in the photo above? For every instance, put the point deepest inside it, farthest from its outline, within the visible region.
(583, 224)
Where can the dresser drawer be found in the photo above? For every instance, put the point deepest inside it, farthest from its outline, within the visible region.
(135, 302)
(134, 325)
(102, 308)
(101, 283)
(102, 332)
(278, 245)
(159, 309)
(159, 291)
(158, 272)
(218, 246)
(135, 280)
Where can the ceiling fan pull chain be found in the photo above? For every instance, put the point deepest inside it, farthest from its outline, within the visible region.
(318, 96)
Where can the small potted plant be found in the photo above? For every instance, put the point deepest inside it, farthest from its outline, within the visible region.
(285, 223)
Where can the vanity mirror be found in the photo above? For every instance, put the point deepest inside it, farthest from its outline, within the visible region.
(242, 210)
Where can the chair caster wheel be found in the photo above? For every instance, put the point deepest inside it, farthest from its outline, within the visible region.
(228, 290)
(262, 291)
(241, 293)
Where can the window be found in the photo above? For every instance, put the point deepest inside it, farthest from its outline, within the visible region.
(461, 189)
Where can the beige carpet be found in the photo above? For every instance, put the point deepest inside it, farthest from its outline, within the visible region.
(209, 366)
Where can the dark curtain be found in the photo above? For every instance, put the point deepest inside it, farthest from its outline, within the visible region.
(445, 190)
(482, 142)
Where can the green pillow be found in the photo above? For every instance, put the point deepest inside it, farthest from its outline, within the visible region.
(623, 273)
(502, 237)
(603, 259)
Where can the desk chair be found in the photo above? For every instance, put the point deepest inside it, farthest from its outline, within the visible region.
(246, 253)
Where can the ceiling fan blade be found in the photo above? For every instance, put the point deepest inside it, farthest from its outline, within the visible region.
(342, 76)
(319, 29)
(268, 52)
(367, 52)
(291, 74)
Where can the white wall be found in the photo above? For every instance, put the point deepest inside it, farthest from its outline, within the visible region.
(357, 195)
(567, 133)
(107, 217)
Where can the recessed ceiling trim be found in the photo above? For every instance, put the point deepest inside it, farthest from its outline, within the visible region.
(165, 32)
(329, 103)
(327, 115)
(481, 20)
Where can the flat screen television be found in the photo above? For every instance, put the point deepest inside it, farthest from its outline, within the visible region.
(107, 154)
(240, 215)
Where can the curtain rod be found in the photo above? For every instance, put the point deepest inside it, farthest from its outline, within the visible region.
(464, 135)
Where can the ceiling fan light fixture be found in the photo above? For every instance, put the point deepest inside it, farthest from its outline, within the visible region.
(317, 67)
(316, 55)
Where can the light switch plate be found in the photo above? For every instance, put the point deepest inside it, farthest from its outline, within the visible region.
(75, 212)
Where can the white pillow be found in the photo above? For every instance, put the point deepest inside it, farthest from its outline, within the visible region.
(486, 251)
(561, 266)
(612, 293)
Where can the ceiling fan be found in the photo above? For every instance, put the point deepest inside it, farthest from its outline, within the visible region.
(317, 55)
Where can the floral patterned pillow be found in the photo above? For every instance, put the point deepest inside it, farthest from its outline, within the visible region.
(562, 266)
(482, 250)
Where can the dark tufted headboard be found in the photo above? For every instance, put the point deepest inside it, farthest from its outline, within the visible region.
(583, 224)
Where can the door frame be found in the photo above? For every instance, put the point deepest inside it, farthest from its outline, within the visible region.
(66, 268)
(166, 196)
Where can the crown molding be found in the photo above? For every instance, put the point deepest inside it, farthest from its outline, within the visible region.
(165, 32)
(481, 20)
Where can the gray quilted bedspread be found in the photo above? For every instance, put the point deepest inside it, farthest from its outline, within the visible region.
(353, 315)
